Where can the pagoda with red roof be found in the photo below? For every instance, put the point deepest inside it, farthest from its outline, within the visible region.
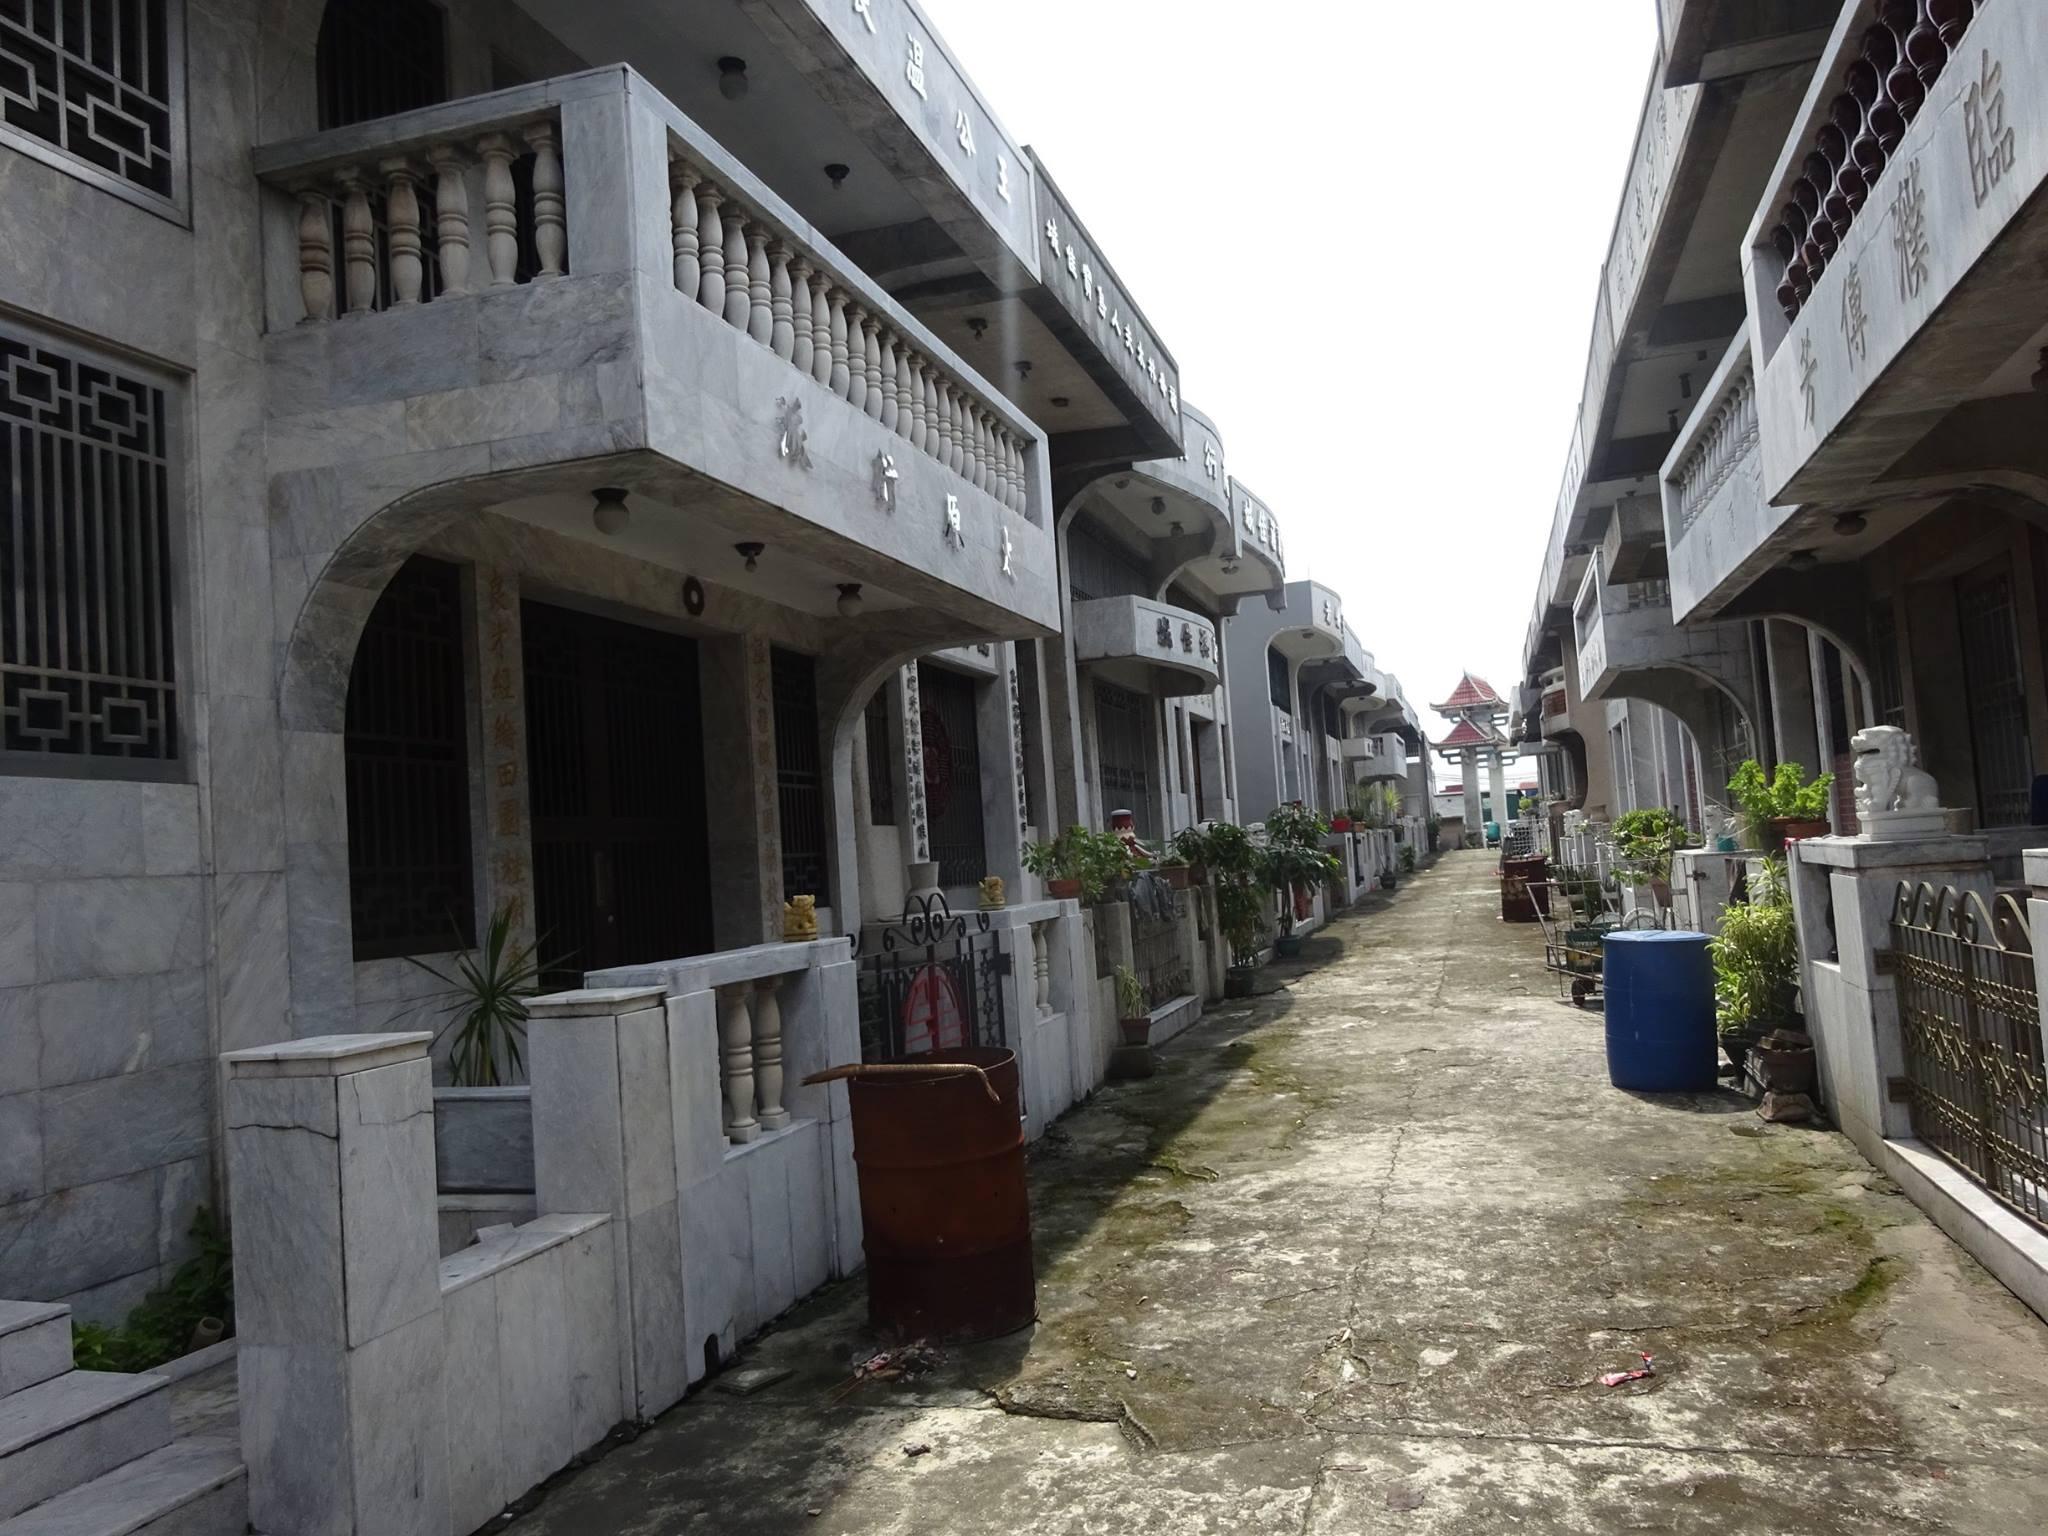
(1477, 712)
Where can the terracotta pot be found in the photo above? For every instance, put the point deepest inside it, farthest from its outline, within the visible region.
(1340, 823)
(1136, 1031)
(1176, 876)
(1063, 890)
(1791, 829)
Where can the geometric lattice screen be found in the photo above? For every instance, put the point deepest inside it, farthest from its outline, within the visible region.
(87, 648)
(93, 80)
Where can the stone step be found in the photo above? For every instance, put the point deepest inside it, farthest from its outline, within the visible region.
(35, 1343)
(72, 1428)
(189, 1488)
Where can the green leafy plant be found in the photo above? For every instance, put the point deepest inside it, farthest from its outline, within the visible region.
(1244, 903)
(1756, 957)
(1099, 860)
(1130, 994)
(1377, 803)
(1644, 841)
(1786, 795)
(162, 1327)
(486, 1007)
(1190, 846)
(1408, 858)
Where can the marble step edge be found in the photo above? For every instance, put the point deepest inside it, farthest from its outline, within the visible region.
(134, 1497)
(18, 1315)
(53, 1407)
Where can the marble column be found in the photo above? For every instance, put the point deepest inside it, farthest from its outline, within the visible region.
(604, 1140)
(999, 730)
(1497, 783)
(1475, 824)
(743, 818)
(911, 819)
(337, 1285)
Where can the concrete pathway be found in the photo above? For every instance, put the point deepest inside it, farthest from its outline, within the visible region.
(1354, 1261)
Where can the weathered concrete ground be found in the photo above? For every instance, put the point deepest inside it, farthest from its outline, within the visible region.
(1353, 1262)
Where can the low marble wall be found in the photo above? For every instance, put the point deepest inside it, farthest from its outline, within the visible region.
(483, 1140)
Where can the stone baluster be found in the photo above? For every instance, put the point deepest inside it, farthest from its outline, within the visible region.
(886, 350)
(800, 350)
(956, 440)
(402, 223)
(451, 217)
(856, 357)
(760, 287)
(358, 242)
(711, 248)
(501, 209)
(736, 1054)
(977, 470)
(919, 421)
(550, 222)
(906, 414)
(872, 362)
(316, 255)
(1041, 968)
(934, 416)
(840, 382)
(821, 331)
(739, 297)
(1013, 470)
(682, 220)
(768, 1053)
(984, 451)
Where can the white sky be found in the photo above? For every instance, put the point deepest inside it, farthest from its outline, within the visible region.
(1372, 244)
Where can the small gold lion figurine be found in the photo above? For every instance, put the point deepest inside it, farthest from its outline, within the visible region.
(991, 892)
(799, 919)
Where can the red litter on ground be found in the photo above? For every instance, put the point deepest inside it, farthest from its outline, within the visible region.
(1616, 1378)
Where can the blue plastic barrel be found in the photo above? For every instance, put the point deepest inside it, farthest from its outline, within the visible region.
(1660, 1012)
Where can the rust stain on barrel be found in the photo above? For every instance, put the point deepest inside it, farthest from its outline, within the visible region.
(943, 1201)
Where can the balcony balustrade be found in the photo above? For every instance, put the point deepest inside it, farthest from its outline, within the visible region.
(441, 203)
(1883, 84)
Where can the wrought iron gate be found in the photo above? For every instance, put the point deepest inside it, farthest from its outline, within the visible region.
(932, 981)
(1997, 700)
(1971, 1030)
(1163, 967)
(1124, 748)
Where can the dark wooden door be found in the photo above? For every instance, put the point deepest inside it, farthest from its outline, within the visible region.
(614, 745)
(952, 774)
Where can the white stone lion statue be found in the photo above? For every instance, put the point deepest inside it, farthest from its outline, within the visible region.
(1888, 773)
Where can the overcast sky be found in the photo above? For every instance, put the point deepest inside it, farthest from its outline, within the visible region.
(1373, 253)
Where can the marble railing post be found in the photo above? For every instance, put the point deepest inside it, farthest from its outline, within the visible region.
(768, 1054)
(736, 1061)
(1041, 969)
(337, 1285)
(604, 1141)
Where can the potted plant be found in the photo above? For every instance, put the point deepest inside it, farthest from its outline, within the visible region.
(1407, 858)
(1243, 903)
(486, 1006)
(1295, 863)
(1780, 807)
(1643, 843)
(1057, 864)
(1191, 847)
(1756, 964)
(1132, 1017)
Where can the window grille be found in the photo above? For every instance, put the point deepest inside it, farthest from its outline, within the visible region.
(799, 774)
(1124, 743)
(88, 561)
(97, 87)
(881, 762)
(411, 885)
(380, 57)
(1276, 681)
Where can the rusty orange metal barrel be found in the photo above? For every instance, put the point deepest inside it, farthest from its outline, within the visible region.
(943, 1203)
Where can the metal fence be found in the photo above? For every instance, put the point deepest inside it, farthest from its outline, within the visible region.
(1158, 953)
(1971, 1026)
(932, 981)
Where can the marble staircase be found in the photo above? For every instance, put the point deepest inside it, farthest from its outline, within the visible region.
(94, 1453)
